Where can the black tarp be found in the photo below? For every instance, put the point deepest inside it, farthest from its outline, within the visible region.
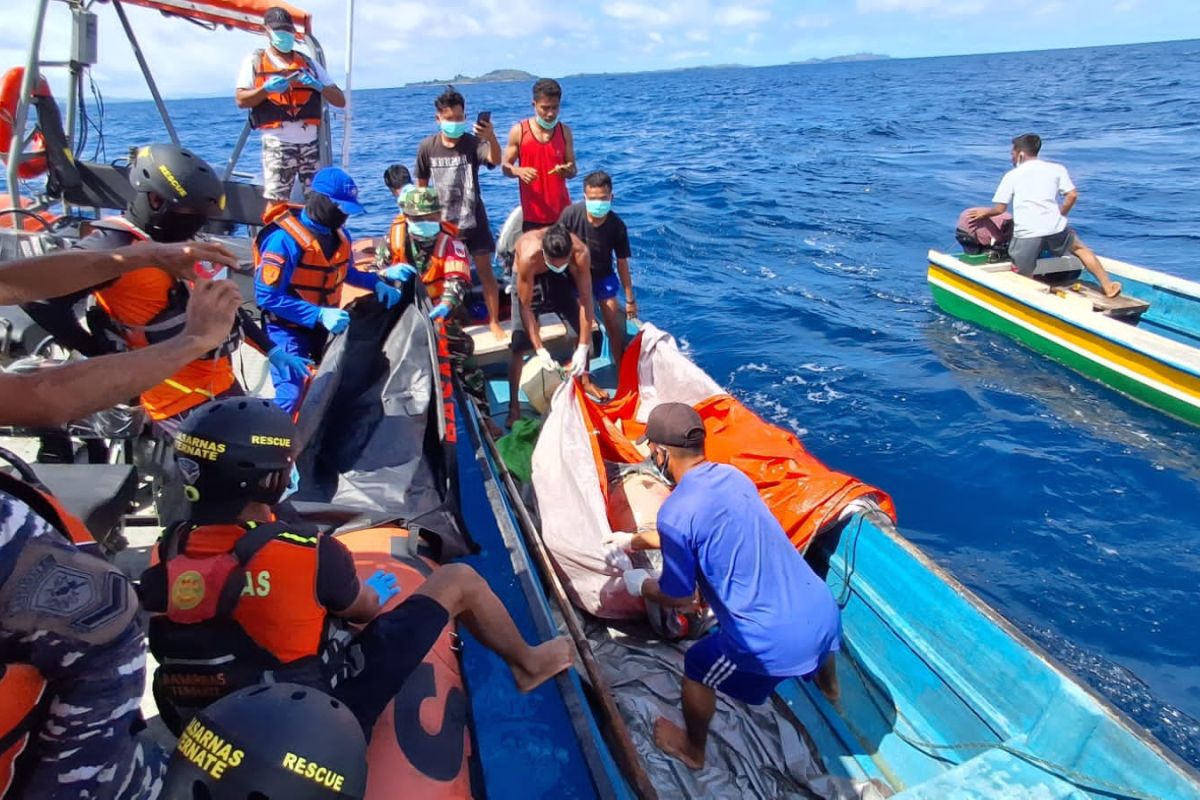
(372, 428)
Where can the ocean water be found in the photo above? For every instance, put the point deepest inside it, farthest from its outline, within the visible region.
(779, 220)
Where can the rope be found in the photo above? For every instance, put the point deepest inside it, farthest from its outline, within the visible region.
(1078, 779)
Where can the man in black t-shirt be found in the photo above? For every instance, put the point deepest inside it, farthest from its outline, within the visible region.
(451, 159)
(594, 221)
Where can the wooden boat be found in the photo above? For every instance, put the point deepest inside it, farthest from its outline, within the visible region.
(941, 696)
(1144, 343)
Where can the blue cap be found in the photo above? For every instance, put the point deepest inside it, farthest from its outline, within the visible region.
(338, 186)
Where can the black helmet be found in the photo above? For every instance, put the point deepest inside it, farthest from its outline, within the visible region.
(190, 191)
(278, 741)
(227, 450)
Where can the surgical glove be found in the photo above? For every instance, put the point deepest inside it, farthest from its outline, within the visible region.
(334, 320)
(579, 361)
(440, 311)
(290, 364)
(310, 80)
(621, 539)
(634, 578)
(388, 295)
(400, 273)
(277, 84)
(548, 362)
(616, 558)
(384, 584)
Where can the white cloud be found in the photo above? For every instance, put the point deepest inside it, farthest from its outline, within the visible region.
(740, 16)
(637, 12)
(655, 37)
(812, 21)
(941, 8)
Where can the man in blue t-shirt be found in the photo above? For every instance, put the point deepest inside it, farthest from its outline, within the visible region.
(777, 618)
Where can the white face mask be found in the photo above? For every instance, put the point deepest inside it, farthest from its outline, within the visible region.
(555, 268)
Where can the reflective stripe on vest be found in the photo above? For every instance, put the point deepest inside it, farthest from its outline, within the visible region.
(434, 276)
(316, 279)
(295, 104)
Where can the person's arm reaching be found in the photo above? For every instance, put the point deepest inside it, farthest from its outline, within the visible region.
(70, 271)
(1068, 203)
(52, 397)
(983, 212)
(530, 319)
(279, 255)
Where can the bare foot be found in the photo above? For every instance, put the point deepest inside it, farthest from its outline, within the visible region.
(544, 662)
(673, 741)
(827, 680)
(513, 416)
(1113, 289)
(497, 331)
(595, 391)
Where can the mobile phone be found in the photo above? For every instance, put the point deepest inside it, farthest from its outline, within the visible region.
(484, 116)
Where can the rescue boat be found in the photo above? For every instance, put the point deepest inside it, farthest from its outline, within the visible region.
(1144, 343)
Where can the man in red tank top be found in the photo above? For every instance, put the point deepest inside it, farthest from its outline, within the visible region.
(541, 153)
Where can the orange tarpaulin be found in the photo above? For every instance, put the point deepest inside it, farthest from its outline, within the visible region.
(244, 14)
(803, 493)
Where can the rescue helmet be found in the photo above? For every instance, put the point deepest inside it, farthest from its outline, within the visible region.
(182, 179)
(278, 741)
(234, 451)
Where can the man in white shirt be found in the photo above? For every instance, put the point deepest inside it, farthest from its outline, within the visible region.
(284, 89)
(1033, 188)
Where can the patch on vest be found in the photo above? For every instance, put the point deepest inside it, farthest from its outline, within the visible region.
(459, 249)
(188, 590)
(270, 274)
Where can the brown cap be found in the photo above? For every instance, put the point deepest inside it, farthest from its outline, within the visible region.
(278, 18)
(674, 425)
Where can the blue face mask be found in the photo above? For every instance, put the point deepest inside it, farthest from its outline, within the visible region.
(293, 484)
(598, 208)
(424, 229)
(544, 125)
(453, 130)
(283, 41)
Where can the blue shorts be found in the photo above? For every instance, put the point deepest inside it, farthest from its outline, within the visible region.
(605, 286)
(707, 663)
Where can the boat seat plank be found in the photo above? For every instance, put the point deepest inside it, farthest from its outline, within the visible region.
(490, 350)
(1122, 306)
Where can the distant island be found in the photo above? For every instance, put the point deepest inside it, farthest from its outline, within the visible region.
(842, 59)
(495, 76)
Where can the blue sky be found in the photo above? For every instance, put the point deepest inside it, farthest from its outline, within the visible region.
(403, 40)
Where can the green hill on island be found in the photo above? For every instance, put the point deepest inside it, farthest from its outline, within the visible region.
(495, 76)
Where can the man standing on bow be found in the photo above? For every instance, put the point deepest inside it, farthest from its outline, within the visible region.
(594, 221)
(541, 154)
(556, 262)
(301, 262)
(777, 618)
(450, 159)
(284, 90)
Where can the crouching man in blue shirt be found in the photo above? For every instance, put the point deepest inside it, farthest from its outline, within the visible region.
(777, 618)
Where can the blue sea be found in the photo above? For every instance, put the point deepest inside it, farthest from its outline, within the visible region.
(780, 219)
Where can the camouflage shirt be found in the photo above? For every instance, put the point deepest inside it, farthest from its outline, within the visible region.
(74, 617)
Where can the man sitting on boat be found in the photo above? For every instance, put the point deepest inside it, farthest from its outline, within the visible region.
(594, 221)
(301, 262)
(556, 263)
(777, 618)
(1033, 188)
(399, 182)
(421, 243)
(242, 597)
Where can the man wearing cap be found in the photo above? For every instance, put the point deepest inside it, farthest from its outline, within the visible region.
(301, 262)
(776, 618)
(421, 243)
(284, 89)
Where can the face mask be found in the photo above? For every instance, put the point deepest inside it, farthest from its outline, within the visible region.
(663, 465)
(424, 229)
(453, 130)
(546, 126)
(323, 211)
(555, 268)
(598, 208)
(293, 484)
(283, 41)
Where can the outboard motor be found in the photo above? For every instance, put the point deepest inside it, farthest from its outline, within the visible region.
(985, 236)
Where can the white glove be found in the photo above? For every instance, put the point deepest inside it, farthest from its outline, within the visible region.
(621, 539)
(634, 578)
(548, 362)
(615, 558)
(579, 361)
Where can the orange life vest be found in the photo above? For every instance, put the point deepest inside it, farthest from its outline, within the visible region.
(316, 279)
(147, 305)
(449, 255)
(294, 104)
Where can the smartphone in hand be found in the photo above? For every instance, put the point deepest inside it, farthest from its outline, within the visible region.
(484, 116)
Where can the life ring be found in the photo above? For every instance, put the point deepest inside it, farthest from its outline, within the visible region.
(33, 161)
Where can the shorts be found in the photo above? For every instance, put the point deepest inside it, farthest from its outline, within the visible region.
(605, 286)
(392, 646)
(706, 663)
(479, 240)
(557, 295)
(284, 163)
(527, 226)
(1024, 253)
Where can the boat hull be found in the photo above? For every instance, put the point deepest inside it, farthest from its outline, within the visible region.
(1136, 372)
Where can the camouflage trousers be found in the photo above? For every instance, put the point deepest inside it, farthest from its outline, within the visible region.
(283, 163)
